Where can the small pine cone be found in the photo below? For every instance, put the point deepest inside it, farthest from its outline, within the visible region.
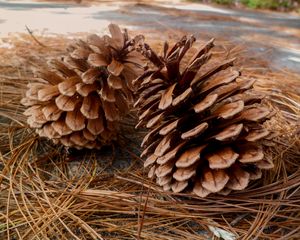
(79, 100)
(204, 121)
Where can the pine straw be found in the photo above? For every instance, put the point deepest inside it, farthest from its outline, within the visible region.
(49, 193)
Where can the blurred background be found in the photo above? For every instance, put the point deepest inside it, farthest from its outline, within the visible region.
(271, 28)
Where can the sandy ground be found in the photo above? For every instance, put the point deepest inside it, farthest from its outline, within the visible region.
(273, 36)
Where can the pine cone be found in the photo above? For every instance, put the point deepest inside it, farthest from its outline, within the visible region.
(204, 121)
(80, 99)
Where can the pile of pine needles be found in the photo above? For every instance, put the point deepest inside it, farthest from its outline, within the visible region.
(48, 192)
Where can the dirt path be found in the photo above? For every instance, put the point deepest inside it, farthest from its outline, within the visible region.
(274, 36)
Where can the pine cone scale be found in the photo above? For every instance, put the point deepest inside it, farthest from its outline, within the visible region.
(75, 120)
(46, 94)
(97, 60)
(90, 106)
(66, 103)
(91, 75)
(214, 180)
(68, 87)
(115, 67)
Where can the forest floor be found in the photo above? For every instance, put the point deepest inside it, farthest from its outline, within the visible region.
(47, 192)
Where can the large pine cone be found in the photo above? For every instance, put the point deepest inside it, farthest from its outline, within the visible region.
(204, 121)
(80, 99)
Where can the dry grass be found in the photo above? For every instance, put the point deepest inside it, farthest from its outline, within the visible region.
(49, 193)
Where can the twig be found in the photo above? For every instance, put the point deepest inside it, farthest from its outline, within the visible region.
(34, 38)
